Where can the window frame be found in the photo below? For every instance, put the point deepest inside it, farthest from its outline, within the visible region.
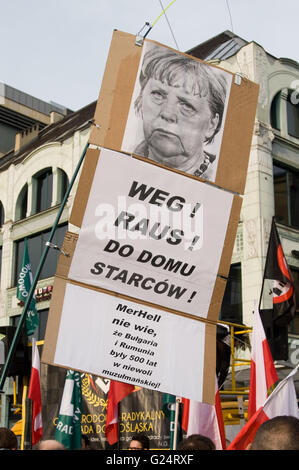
(42, 188)
(289, 170)
(34, 258)
(236, 310)
(22, 204)
(39, 333)
(281, 112)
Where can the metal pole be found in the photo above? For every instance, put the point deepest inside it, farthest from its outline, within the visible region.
(40, 266)
(25, 389)
(232, 348)
(176, 422)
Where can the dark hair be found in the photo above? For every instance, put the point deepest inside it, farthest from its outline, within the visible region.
(197, 442)
(85, 439)
(279, 433)
(166, 65)
(143, 439)
(8, 440)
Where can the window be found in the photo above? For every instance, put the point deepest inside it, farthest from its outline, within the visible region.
(292, 115)
(63, 183)
(44, 187)
(43, 318)
(36, 245)
(42, 193)
(21, 208)
(2, 218)
(40, 331)
(285, 107)
(231, 308)
(2, 215)
(0, 260)
(275, 111)
(286, 195)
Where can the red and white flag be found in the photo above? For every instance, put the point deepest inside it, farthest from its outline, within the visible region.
(205, 419)
(117, 392)
(281, 402)
(34, 394)
(262, 372)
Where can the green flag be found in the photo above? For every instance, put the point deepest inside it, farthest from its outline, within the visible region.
(68, 429)
(168, 401)
(23, 288)
(169, 410)
(169, 404)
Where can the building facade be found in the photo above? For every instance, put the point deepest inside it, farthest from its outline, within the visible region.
(272, 186)
(34, 176)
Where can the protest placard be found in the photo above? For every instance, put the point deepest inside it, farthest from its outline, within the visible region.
(138, 290)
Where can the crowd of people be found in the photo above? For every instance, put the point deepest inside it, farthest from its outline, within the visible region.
(279, 433)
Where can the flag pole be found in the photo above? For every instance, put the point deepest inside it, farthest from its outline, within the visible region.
(40, 266)
(263, 283)
(24, 395)
(176, 422)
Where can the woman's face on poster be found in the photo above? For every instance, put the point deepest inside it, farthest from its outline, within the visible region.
(176, 122)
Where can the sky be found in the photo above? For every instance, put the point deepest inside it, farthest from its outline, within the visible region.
(56, 50)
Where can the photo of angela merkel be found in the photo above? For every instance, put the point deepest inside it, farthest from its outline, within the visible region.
(180, 104)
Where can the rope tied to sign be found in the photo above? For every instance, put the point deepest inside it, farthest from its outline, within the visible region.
(150, 26)
(170, 28)
(171, 3)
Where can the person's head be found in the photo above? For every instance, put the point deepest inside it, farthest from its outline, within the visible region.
(279, 433)
(85, 444)
(50, 444)
(8, 440)
(139, 442)
(182, 103)
(197, 442)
